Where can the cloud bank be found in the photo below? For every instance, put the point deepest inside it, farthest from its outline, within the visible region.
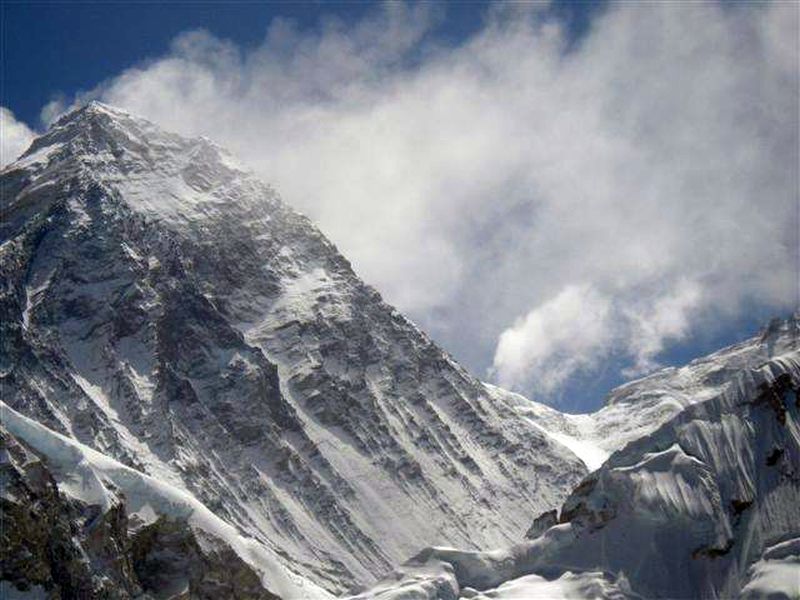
(539, 206)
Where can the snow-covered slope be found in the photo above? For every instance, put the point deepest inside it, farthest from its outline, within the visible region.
(641, 406)
(706, 505)
(163, 307)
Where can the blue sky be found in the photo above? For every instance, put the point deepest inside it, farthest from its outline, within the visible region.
(60, 48)
(55, 48)
(565, 195)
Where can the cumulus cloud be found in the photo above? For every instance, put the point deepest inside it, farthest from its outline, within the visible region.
(15, 137)
(554, 340)
(537, 205)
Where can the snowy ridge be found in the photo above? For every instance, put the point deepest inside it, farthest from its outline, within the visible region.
(639, 407)
(87, 475)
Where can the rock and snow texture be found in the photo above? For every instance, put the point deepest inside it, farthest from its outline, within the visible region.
(575, 433)
(164, 308)
(706, 505)
(55, 478)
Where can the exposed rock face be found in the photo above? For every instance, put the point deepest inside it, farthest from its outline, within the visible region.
(168, 310)
(53, 543)
(59, 547)
(541, 524)
(170, 560)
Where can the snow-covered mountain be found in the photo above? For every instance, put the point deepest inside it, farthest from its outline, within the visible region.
(78, 524)
(701, 501)
(200, 399)
(163, 308)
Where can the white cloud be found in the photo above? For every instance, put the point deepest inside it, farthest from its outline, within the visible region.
(15, 137)
(554, 340)
(653, 326)
(656, 163)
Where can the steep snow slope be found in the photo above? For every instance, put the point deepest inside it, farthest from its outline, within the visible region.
(707, 505)
(165, 308)
(576, 433)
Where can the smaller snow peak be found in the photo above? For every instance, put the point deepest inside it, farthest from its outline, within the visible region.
(779, 327)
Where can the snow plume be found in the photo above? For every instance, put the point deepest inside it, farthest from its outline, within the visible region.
(525, 197)
(15, 137)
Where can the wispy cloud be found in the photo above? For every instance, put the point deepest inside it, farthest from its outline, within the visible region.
(15, 137)
(537, 209)
(567, 334)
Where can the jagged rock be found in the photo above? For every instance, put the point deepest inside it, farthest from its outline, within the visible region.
(66, 548)
(542, 523)
(74, 550)
(170, 561)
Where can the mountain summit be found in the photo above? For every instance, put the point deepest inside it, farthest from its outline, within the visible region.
(162, 306)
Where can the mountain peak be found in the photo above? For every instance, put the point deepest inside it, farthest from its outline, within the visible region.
(163, 307)
(94, 127)
(93, 107)
(159, 172)
(95, 114)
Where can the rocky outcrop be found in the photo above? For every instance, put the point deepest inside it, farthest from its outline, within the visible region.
(541, 524)
(63, 548)
(175, 562)
(54, 543)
